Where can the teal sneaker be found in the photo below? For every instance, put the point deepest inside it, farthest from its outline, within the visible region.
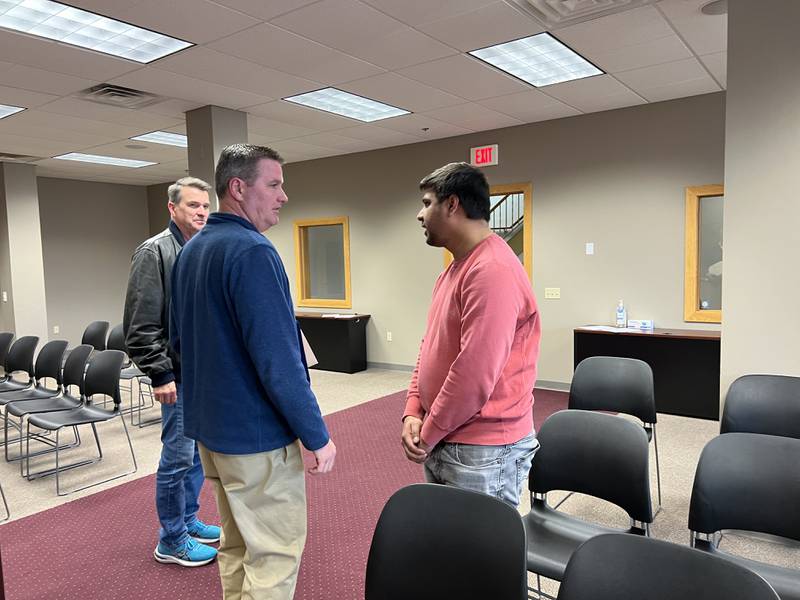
(207, 534)
(190, 554)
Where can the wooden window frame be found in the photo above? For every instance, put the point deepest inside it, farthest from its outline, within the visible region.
(691, 289)
(527, 222)
(303, 277)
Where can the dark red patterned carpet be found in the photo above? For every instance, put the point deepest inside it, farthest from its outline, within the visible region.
(101, 546)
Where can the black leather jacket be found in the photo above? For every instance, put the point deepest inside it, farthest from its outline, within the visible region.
(146, 319)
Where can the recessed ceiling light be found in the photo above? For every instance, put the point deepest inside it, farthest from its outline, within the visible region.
(56, 21)
(105, 160)
(717, 7)
(539, 60)
(162, 137)
(6, 110)
(348, 105)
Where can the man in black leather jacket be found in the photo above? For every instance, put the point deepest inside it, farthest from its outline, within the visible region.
(182, 538)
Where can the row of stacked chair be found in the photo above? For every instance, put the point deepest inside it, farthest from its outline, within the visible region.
(748, 478)
(42, 413)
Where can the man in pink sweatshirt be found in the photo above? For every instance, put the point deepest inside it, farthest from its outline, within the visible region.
(469, 412)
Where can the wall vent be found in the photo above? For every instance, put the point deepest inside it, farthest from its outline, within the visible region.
(121, 97)
(560, 13)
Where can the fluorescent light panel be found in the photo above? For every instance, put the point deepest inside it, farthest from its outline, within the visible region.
(539, 59)
(7, 111)
(348, 105)
(105, 160)
(164, 137)
(56, 21)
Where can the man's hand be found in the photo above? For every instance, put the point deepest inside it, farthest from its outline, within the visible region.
(415, 449)
(167, 393)
(325, 457)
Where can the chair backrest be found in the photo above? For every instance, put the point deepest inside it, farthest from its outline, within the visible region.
(767, 404)
(596, 454)
(102, 375)
(614, 384)
(95, 334)
(6, 337)
(750, 482)
(75, 367)
(50, 359)
(20, 355)
(116, 339)
(613, 566)
(435, 541)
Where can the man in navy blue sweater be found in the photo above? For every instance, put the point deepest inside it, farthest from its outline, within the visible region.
(248, 401)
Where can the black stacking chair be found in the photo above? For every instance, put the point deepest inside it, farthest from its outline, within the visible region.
(590, 453)
(95, 335)
(749, 482)
(615, 566)
(6, 518)
(434, 541)
(6, 337)
(19, 360)
(48, 366)
(129, 372)
(623, 385)
(34, 401)
(102, 377)
(766, 404)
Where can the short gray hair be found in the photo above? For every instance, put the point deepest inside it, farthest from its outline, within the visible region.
(174, 191)
(241, 161)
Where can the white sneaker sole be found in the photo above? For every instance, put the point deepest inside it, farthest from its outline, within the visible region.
(170, 559)
(205, 540)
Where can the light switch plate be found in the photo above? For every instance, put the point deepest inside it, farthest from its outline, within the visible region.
(589, 248)
(552, 293)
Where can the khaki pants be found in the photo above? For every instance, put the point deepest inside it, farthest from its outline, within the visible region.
(262, 504)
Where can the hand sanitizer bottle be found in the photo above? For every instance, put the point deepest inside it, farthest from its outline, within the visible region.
(622, 315)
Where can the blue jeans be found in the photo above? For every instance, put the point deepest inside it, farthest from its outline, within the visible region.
(498, 471)
(179, 477)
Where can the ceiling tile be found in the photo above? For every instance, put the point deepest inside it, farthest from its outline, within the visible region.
(209, 65)
(61, 58)
(196, 21)
(402, 92)
(661, 82)
(473, 116)
(152, 152)
(111, 131)
(23, 144)
(469, 31)
(293, 114)
(39, 80)
(379, 135)
(26, 99)
(269, 129)
(718, 65)
(362, 31)
(416, 12)
(174, 107)
(288, 52)
(530, 106)
(174, 85)
(84, 109)
(591, 94)
(265, 9)
(466, 77)
(29, 126)
(109, 8)
(331, 140)
(661, 50)
(628, 28)
(424, 126)
(705, 34)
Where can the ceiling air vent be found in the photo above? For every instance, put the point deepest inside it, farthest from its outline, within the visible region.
(560, 13)
(121, 97)
(18, 158)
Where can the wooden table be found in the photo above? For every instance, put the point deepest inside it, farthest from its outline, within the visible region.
(685, 364)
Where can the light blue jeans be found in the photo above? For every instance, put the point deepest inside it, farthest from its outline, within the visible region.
(498, 471)
(179, 477)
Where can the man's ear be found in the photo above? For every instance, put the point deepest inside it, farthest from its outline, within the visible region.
(235, 188)
(453, 203)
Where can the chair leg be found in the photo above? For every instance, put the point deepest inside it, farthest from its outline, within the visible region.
(5, 503)
(658, 469)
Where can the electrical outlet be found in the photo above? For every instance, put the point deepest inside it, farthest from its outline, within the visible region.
(552, 293)
(388, 336)
(5, 296)
(56, 329)
(589, 248)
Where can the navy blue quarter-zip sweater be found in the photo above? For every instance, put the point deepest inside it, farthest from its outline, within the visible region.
(245, 382)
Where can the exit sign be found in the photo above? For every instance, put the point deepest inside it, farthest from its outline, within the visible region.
(483, 156)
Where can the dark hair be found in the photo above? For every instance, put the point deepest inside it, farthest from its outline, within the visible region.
(240, 160)
(464, 181)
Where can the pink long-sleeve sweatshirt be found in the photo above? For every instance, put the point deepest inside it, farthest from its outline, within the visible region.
(474, 378)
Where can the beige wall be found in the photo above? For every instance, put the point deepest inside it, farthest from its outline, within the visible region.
(615, 178)
(6, 308)
(158, 215)
(89, 231)
(761, 288)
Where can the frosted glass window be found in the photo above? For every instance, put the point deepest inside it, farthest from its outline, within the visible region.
(323, 262)
(710, 258)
